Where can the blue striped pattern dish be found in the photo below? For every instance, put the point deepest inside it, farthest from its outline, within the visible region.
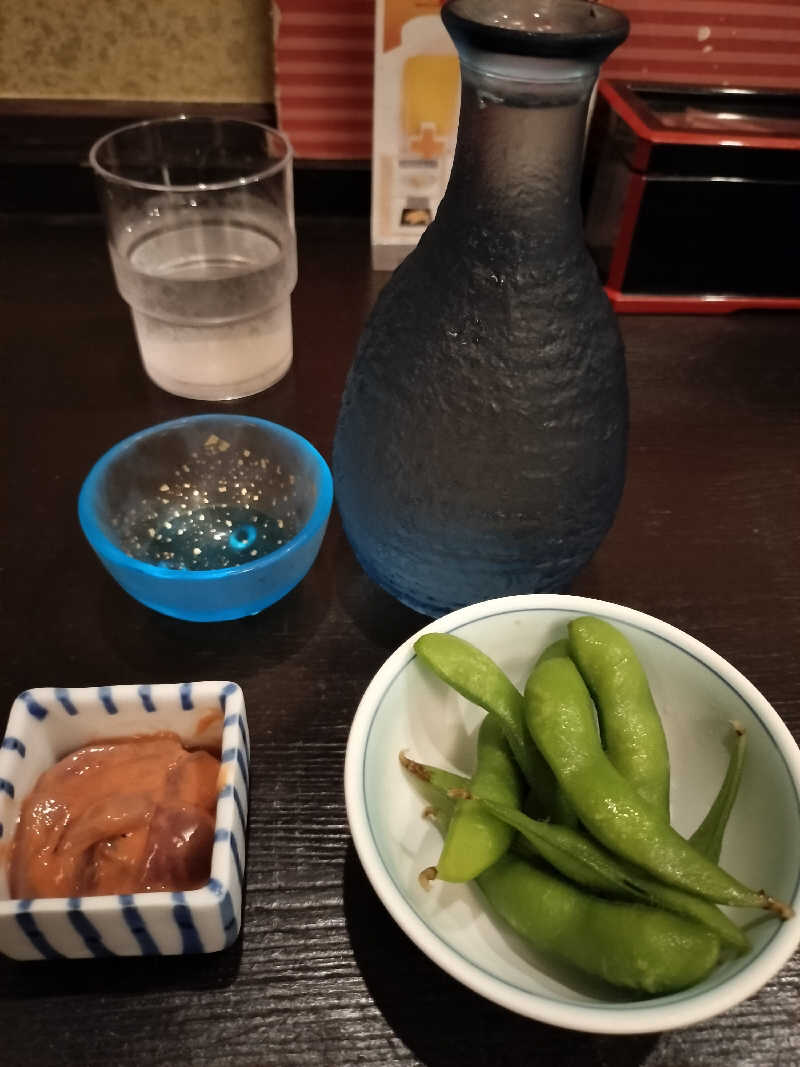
(46, 724)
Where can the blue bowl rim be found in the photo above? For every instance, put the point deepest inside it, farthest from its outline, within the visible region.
(106, 549)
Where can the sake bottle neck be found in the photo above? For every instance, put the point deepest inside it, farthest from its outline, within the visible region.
(520, 145)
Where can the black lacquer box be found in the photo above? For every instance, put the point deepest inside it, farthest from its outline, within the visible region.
(692, 197)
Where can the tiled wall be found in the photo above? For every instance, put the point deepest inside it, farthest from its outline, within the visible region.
(177, 50)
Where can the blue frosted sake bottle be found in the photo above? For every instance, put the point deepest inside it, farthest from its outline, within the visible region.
(481, 442)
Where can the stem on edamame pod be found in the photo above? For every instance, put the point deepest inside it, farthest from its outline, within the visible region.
(707, 838)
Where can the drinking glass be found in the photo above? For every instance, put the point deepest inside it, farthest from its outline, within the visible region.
(200, 223)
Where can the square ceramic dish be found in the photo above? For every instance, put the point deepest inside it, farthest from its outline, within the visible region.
(45, 725)
(406, 707)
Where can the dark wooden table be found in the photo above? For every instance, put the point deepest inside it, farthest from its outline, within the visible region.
(706, 538)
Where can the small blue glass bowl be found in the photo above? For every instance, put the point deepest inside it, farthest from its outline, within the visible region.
(209, 517)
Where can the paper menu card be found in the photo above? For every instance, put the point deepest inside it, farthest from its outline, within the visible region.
(415, 121)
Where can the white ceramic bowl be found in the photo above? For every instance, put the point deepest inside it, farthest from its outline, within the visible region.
(407, 708)
(48, 723)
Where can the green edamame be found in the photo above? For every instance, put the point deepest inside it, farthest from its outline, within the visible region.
(556, 650)
(475, 838)
(560, 716)
(626, 958)
(707, 838)
(478, 678)
(578, 858)
(629, 945)
(630, 726)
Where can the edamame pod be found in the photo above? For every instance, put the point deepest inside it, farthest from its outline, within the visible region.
(707, 838)
(477, 677)
(629, 945)
(556, 650)
(571, 853)
(560, 716)
(630, 726)
(580, 859)
(475, 838)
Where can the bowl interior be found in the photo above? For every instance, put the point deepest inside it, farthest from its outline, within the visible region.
(695, 692)
(205, 493)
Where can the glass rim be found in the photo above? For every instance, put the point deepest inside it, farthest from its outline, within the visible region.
(171, 120)
(580, 41)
